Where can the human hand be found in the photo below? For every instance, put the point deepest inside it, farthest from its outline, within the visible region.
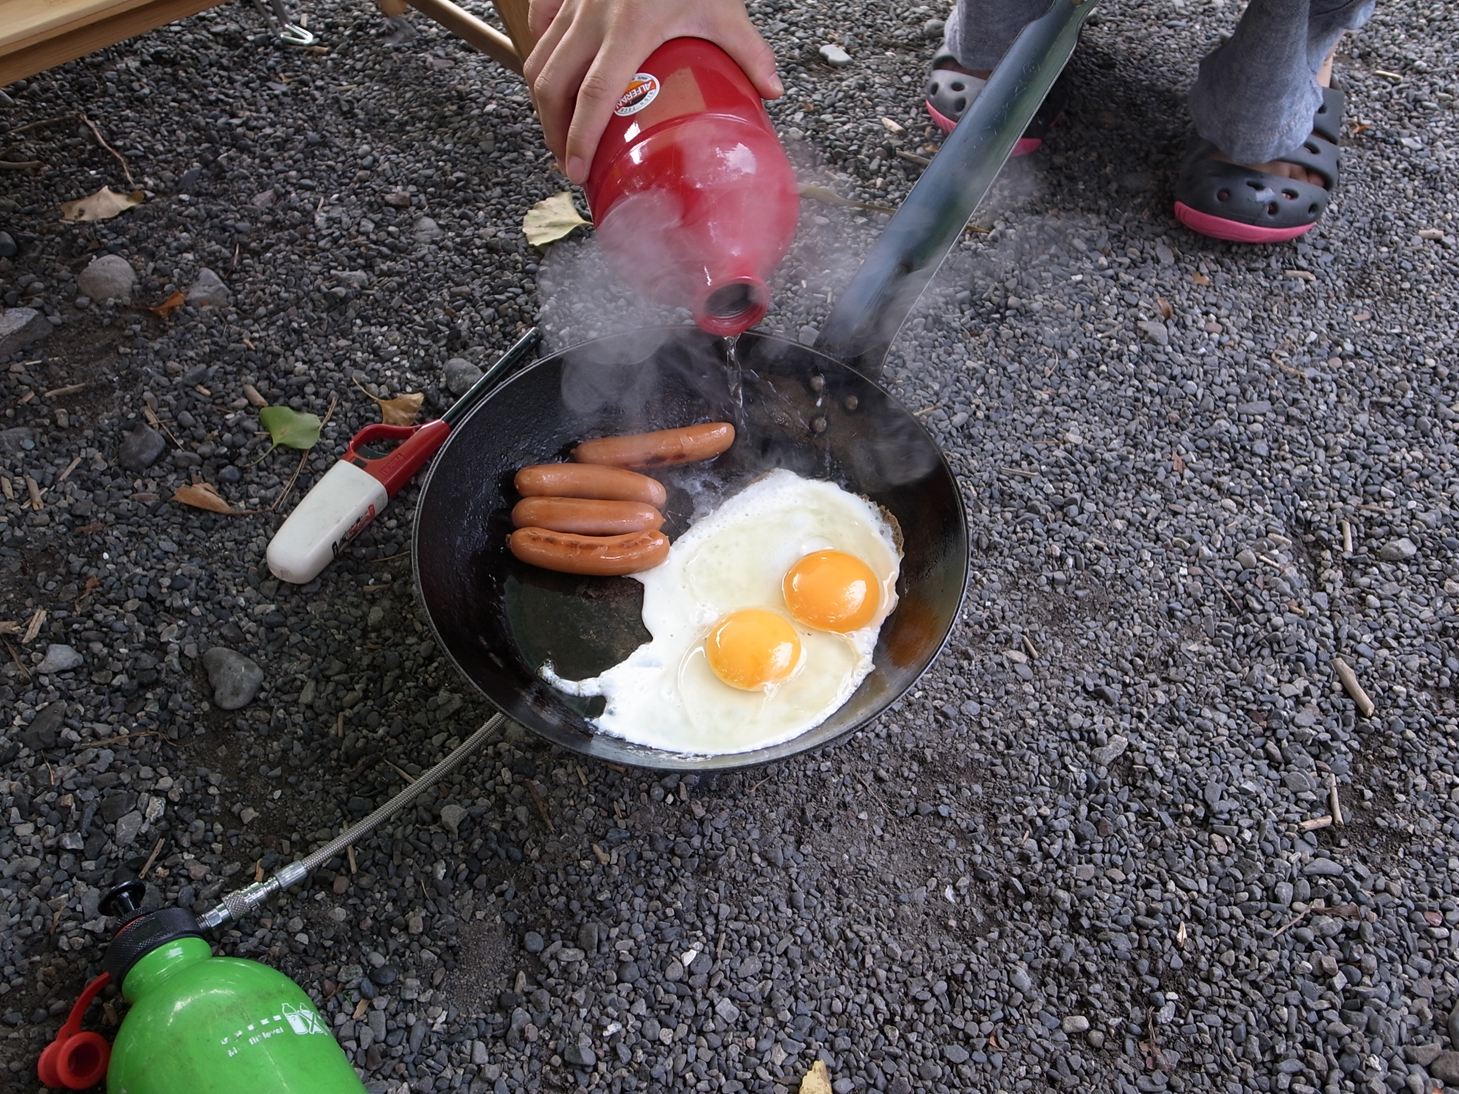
(588, 50)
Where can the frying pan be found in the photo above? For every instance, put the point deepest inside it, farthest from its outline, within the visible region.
(817, 411)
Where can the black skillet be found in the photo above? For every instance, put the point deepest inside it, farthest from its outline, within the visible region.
(816, 411)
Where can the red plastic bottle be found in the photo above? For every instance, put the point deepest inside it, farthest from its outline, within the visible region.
(690, 189)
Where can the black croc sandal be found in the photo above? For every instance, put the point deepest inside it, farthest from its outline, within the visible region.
(1231, 202)
(950, 90)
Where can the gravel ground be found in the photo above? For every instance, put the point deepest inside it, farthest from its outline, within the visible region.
(1073, 858)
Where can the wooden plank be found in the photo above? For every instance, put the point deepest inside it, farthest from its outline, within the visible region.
(115, 21)
(29, 21)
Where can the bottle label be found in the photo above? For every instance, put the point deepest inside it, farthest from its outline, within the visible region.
(641, 90)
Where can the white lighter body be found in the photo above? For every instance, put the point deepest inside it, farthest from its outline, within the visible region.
(339, 507)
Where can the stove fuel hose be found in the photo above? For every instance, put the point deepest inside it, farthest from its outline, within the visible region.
(237, 904)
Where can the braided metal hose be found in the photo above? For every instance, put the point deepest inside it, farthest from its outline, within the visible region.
(237, 904)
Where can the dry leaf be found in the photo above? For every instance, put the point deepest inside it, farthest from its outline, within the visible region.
(1164, 306)
(817, 1080)
(202, 496)
(102, 205)
(401, 410)
(168, 306)
(1200, 278)
(551, 219)
(1180, 935)
(1177, 463)
(9, 626)
(360, 1008)
(36, 622)
(827, 196)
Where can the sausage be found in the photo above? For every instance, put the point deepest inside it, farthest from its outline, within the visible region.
(601, 556)
(586, 516)
(569, 480)
(665, 448)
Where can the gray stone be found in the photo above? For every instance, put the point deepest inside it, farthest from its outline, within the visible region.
(1075, 1023)
(127, 829)
(59, 658)
(580, 1055)
(108, 277)
(19, 327)
(955, 1054)
(835, 56)
(14, 441)
(44, 729)
(427, 230)
(235, 679)
(1155, 330)
(460, 375)
(1323, 867)
(1398, 550)
(208, 291)
(1445, 1067)
(1423, 1055)
(727, 1010)
(451, 816)
(140, 447)
(1107, 754)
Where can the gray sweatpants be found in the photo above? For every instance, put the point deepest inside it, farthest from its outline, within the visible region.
(1256, 93)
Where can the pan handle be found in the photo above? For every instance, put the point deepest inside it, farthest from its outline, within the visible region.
(924, 228)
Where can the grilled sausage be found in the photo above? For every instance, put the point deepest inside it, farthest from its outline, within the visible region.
(572, 480)
(586, 516)
(665, 448)
(601, 556)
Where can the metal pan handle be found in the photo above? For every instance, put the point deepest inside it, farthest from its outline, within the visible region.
(868, 314)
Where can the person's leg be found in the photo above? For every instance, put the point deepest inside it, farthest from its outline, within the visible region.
(1263, 163)
(977, 34)
(1257, 92)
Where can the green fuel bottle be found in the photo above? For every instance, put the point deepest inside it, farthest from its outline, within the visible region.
(211, 1025)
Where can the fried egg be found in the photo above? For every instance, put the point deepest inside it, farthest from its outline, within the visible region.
(763, 620)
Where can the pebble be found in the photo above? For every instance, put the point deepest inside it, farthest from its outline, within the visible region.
(1075, 1023)
(835, 56)
(580, 1056)
(451, 816)
(427, 230)
(1323, 867)
(20, 327)
(59, 658)
(108, 277)
(127, 828)
(235, 679)
(1108, 753)
(8, 247)
(1445, 1067)
(1398, 550)
(460, 375)
(141, 446)
(208, 291)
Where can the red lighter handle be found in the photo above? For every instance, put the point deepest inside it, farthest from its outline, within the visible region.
(76, 1059)
(395, 469)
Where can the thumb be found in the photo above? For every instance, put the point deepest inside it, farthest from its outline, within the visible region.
(753, 54)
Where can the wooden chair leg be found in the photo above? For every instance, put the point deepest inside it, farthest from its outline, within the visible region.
(514, 17)
(460, 22)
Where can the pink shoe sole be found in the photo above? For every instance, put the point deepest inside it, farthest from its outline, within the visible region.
(1025, 146)
(1233, 231)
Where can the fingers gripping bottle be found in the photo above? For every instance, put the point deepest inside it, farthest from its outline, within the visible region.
(690, 189)
(211, 1025)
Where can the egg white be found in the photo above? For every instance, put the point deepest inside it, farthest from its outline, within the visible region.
(664, 694)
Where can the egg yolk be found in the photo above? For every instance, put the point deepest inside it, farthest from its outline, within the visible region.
(832, 591)
(752, 649)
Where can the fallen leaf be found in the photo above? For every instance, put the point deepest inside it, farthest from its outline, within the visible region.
(202, 496)
(827, 196)
(290, 428)
(360, 1008)
(1164, 306)
(36, 622)
(552, 219)
(401, 410)
(168, 306)
(817, 1080)
(1180, 935)
(1177, 463)
(1200, 278)
(102, 205)
(892, 127)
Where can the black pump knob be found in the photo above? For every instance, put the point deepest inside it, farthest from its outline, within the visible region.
(124, 899)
